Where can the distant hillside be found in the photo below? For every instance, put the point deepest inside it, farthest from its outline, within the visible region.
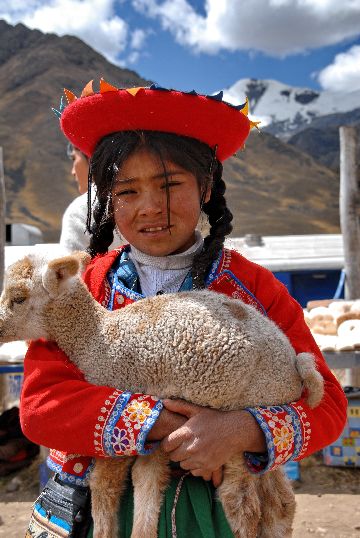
(273, 187)
(34, 67)
(322, 140)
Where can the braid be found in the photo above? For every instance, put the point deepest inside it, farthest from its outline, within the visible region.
(220, 218)
(102, 230)
(102, 171)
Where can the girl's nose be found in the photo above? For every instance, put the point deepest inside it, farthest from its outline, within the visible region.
(151, 204)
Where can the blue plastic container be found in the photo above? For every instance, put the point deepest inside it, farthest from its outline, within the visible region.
(11, 380)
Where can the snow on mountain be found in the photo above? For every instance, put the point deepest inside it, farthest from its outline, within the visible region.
(285, 109)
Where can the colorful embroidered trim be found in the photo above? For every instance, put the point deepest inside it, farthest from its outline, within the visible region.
(233, 287)
(128, 424)
(283, 433)
(72, 469)
(305, 426)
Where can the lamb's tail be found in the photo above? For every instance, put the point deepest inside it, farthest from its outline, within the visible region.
(312, 379)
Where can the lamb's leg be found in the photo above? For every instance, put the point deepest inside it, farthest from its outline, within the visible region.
(150, 476)
(239, 498)
(277, 503)
(107, 483)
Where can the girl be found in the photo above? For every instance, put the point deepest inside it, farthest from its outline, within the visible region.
(156, 161)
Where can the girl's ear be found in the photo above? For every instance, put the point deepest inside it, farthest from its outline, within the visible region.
(207, 194)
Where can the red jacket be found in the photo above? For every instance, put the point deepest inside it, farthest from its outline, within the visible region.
(59, 409)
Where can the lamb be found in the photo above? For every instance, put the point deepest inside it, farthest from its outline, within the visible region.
(174, 346)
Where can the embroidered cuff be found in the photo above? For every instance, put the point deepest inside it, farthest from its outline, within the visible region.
(283, 433)
(71, 468)
(124, 423)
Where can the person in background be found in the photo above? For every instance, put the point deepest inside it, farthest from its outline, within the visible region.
(74, 235)
(80, 167)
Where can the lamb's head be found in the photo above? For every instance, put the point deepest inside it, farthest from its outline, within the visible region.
(30, 285)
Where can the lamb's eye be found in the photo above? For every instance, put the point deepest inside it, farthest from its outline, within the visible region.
(19, 300)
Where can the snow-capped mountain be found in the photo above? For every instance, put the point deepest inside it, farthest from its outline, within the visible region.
(283, 109)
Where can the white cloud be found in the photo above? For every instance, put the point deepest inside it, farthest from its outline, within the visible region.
(276, 27)
(138, 38)
(344, 73)
(93, 21)
(133, 57)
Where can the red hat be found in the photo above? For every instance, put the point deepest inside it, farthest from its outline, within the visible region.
(86, 120)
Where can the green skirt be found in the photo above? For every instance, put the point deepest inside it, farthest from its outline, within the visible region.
(198, 512)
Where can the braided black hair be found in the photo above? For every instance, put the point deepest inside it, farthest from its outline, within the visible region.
(220, 218)
(192, 155)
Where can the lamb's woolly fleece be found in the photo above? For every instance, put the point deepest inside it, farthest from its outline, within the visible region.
(174, 345)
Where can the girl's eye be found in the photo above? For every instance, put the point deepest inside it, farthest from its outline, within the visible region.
(124, 193)
(171, 184)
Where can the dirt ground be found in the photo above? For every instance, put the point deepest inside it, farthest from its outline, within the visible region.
(328, 501)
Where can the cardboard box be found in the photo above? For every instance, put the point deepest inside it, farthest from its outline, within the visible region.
(345, 451)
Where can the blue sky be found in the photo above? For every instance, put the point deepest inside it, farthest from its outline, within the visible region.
(210, 44)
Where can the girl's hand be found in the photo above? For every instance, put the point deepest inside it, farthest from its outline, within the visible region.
(210, 437)
(169, 422)
(166, 423)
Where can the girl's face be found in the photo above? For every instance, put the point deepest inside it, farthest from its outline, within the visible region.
(140, 204)
(80, 170)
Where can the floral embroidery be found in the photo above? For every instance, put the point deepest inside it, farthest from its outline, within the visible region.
(115, 419)
(119, 440)
(111, 409)
(139, 411)
(283, 434)
(142, 447)
(282, 438)
(127, 425)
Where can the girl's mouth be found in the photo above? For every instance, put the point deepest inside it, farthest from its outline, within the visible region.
(156, 229)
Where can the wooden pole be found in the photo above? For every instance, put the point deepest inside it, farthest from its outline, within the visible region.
(2, 220)
(349, 222)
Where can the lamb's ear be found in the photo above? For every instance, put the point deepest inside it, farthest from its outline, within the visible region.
(83, 257)
(58, 272)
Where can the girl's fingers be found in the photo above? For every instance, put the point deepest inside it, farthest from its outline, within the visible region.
(175, 439)
(181, 407)
(217, 477)
(190, 465)
(206, 475)
(178, 455)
